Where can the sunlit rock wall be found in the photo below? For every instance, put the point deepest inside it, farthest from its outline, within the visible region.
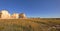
(5, 14)
(0, 14)
(15, 15)
(22, 15)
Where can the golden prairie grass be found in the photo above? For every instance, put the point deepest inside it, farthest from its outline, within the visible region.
(41, 24)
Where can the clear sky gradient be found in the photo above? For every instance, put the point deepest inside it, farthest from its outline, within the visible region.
(33, 8)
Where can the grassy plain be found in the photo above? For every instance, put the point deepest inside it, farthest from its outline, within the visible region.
(31, 24)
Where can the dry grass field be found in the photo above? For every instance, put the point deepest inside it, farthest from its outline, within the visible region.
(32, 24)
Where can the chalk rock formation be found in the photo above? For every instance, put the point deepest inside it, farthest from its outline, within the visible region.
(22, 15)
(5, 14)
(15, 15)
(0, 14)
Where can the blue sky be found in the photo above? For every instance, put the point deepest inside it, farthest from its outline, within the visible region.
(33, 8)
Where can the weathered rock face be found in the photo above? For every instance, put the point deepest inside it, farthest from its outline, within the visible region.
(22, 15)
(15, 15)
(0, 15)
(4, 14)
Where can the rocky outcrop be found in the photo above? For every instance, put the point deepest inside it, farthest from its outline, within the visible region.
(15, 15)
(4, 14)
(0, 15)
(22, 15)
